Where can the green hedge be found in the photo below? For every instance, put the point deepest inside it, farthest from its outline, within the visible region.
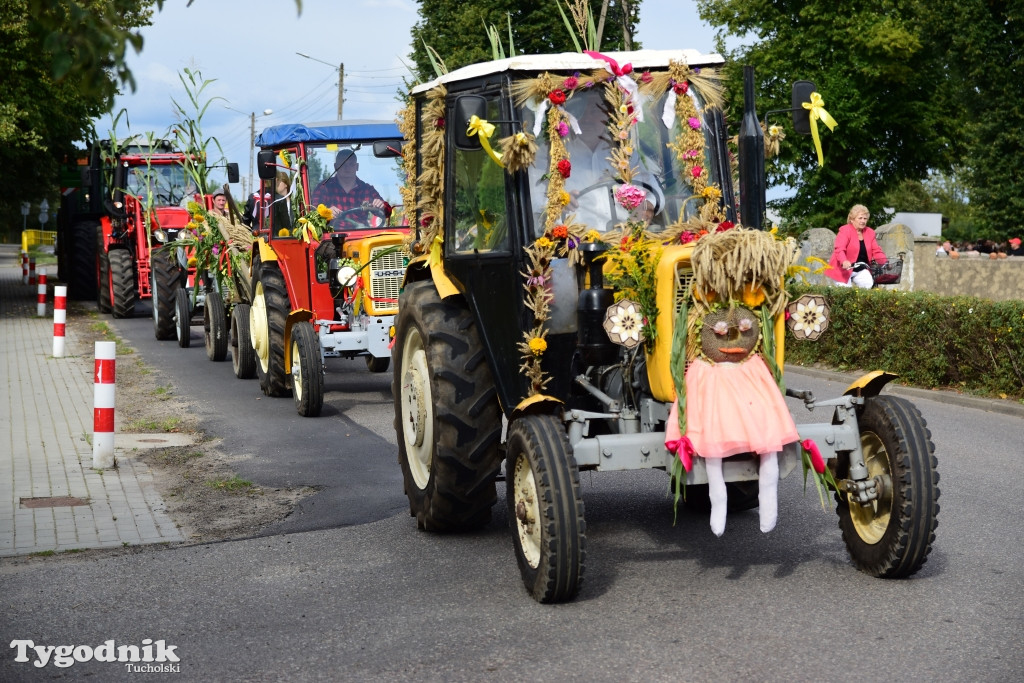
(959, 342)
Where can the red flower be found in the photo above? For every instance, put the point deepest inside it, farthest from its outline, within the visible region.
(646, 77)
(723, 226)
(560, 232)
(812, 450)
(696, 171)
(439, 123)
(686, 237)
(557, 97)
(426, 220)
(564, 167)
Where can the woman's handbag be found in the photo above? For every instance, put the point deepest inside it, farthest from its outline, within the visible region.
(888, 273)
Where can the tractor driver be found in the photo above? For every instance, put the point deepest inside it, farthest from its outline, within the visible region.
(345, 191)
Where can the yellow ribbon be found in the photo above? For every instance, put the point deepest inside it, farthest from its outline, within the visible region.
(817, 108)
(435, 251)
(484, 130)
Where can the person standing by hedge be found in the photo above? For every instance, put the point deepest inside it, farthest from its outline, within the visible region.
(855, 245)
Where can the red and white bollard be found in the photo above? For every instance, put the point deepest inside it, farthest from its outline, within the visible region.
(60, 317)
(41, 294)
(103, 406)
(24, 267)
(31, 271)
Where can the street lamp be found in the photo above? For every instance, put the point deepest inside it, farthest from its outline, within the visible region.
(252, 137)
(341, 78)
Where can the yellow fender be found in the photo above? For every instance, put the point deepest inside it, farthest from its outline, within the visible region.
(296, 316)
(870, 384)
(267, 252)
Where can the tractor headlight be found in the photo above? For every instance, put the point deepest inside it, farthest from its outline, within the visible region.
(347, 276)
(160, 235)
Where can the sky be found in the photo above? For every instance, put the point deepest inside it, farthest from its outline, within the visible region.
(247, 48)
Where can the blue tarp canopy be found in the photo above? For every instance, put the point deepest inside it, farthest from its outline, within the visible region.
(330, 131)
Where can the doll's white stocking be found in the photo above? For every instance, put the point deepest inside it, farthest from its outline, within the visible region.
(768, 490)
(717, 494)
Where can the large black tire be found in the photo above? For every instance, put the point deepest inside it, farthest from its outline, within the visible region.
(243, 356)
(892, 538)
(215, 327)
(167, 278)
(375, 364)
(447, 415)
(307, 370)
(183, 318)
(123, 290)
(102, 274)
(545, 508)
(78, 267)
(268, 316)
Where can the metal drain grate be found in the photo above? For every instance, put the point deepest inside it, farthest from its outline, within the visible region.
(52, 502)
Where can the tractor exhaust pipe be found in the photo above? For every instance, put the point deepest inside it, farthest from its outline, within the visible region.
(751, 159)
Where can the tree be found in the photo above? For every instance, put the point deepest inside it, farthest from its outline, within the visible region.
(60, 64)
(881, 68)
(457, 31)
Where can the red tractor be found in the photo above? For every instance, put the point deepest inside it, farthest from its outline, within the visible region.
(142, 191)
(324, 282)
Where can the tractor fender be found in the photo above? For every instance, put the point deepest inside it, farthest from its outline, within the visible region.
(267, 252)
(538, 404)
(297, 316)
(107, 228)
(870, 384)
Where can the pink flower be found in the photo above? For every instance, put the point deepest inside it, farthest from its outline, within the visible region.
(696, 171)
(570, 83)
(630, 196)
(681, 88)
(646, 77)
(691, 154)
(563, 128)
(694, 122)
(812, 450)
(686, 237)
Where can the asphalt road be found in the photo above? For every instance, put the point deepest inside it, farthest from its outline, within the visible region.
(350, 590)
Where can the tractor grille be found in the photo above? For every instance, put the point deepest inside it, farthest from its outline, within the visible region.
(386, 275)
(683, 285)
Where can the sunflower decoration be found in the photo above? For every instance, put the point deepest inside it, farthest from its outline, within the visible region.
(311, 226)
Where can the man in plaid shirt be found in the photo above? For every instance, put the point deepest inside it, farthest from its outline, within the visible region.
(345, 191)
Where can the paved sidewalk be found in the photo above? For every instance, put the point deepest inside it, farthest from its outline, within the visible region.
(45, 444)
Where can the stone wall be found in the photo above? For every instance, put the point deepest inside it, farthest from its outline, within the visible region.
(970, 275)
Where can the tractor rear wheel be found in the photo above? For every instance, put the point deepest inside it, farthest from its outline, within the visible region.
(268, 314)
(447, 415)
(215, 327)
(545, 508)
(307, 370)
(183, 318)
(123, 292)
(891, 537)
(79, 260)
(243, 357)
(167, 279)
(102, 274)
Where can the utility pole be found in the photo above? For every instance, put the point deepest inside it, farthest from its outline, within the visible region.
(341, 87)
(252, 144)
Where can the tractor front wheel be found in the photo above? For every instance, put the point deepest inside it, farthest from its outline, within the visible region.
(167, 279)
(307, 370)
(215, 327)
(183, 318)
(375, 364)
(447, 416)
(545, 508)
(123, 292)
(892, 536)
(243, 357)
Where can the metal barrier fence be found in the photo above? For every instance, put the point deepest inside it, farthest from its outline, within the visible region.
(30, 238)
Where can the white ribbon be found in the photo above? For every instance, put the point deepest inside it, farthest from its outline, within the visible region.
(668, 114)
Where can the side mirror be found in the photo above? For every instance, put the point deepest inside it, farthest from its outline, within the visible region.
(387, 148)
(233, 172)
(466, 107)
(802, 117)
(265, 164)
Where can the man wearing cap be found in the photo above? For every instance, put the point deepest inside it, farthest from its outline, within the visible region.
(344, 190)
(1015, 247)
(220, 205)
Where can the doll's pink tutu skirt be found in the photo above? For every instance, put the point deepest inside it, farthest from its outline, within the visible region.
(735, 408)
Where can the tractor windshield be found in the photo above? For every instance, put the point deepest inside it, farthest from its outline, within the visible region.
(360, 188)
(591, 138)
(166, 184)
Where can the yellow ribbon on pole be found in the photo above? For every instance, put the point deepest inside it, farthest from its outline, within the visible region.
(817, 109)
(484, 130)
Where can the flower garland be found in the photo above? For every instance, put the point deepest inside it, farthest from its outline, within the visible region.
(407, 126)
(430, 183)
(209, 248)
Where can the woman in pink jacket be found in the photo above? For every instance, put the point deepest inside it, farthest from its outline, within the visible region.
(855, 243)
